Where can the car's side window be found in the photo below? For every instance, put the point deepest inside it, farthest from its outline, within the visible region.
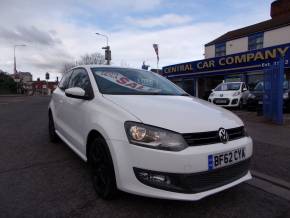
(80, 78)
(64, 81)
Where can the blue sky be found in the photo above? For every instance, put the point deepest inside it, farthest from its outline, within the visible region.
(57, 32)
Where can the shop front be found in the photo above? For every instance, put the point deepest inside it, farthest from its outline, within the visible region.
(198, 78)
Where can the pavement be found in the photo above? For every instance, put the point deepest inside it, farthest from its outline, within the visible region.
(271, 144)
(41, 179)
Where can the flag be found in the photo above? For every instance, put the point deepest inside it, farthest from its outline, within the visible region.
(155, 46)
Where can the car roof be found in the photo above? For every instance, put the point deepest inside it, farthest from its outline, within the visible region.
(103, 66)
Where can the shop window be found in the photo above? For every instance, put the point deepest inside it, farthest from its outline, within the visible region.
(256, 41)
(233, 79)
(178, 83)
(188, 86)
(220, 49)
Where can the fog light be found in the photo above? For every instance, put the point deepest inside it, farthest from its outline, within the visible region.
(152, 177)
(235, 101)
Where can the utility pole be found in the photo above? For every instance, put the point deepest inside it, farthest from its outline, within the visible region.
(14, 67)
(108, 53)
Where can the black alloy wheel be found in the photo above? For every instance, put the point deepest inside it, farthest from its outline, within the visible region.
(53, 137)
(102, 169)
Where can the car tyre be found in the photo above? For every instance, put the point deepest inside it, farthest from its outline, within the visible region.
(102, 169)
(53, 137)
(241, 105)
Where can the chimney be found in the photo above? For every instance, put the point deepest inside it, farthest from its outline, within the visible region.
(280, 8)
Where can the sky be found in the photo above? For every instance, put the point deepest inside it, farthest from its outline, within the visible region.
(56, 32)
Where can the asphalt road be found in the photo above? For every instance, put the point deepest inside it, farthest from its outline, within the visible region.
(41, 179)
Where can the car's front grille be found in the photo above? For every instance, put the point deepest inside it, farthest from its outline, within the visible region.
(204, 181)
(205, 138)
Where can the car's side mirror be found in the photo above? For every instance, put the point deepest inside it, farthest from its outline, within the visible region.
(212, 90)
(76, 92)
(244, 89)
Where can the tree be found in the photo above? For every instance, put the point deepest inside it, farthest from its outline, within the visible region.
(7, 84)
(94, 58)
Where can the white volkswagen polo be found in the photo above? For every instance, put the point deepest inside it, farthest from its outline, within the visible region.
(142, 134)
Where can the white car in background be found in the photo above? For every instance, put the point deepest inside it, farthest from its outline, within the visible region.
(142, 134)
(229, 94)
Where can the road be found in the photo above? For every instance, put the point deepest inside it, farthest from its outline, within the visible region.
(41, 179)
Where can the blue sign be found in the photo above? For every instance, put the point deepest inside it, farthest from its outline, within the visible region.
(246, 61)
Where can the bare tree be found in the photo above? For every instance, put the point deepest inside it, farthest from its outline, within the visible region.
(66, 67)
(94, 58)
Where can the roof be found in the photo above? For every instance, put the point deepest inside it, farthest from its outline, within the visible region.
(104, 66)
(274, 23)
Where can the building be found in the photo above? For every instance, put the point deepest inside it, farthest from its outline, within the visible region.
(22, 76)
(239, 55)
(42, 87)
(24, 82)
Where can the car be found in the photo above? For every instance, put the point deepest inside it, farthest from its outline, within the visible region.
(142, 134)
(254, 100)
(229, 94)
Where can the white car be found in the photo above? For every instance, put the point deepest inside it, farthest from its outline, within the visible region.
(142, 134)
(230, 94)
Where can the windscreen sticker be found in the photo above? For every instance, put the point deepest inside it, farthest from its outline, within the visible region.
(124, 81)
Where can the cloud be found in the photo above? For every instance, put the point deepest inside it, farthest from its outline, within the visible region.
(62, 31)
(161, 21)
(128, 5)
(28, 35)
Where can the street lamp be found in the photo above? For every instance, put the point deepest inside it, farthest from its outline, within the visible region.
(107, 49)
(22, 45)
(107, 38)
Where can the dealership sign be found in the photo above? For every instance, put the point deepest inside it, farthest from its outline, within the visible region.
(253, 60)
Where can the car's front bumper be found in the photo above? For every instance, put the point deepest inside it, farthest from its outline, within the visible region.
(227, 102)
(191, 161)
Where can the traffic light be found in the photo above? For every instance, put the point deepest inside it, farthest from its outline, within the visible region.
(108, 55)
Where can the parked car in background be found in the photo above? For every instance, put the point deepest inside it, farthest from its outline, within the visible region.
(230, 94)
(142, 134)
(255, 98)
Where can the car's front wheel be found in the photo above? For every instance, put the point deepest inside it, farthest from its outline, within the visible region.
(102, 169)
(53, 137)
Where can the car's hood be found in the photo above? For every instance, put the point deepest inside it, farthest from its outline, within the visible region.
(178, 113)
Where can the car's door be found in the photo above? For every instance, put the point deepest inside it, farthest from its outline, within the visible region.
(77, 110)
(59, 98)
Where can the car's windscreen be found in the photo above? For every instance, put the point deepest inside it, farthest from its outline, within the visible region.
(286, 85)
(123, 81)
(228, 87)
(260, 86)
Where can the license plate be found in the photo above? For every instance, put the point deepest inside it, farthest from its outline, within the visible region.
(226, 158)
(221, 101)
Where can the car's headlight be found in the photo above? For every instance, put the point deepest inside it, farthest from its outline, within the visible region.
(251, 96)
(236, 93)
(154, 137)
(211, 94)
(286, 95)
